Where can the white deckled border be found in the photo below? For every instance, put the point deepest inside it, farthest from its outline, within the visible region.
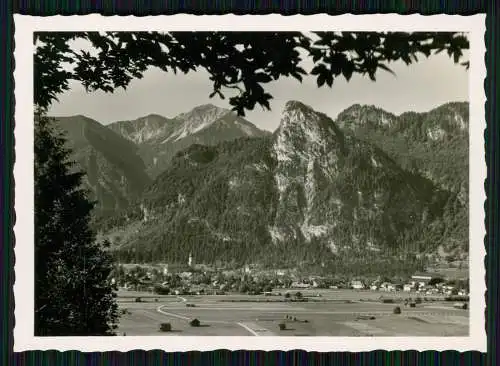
(24, 185)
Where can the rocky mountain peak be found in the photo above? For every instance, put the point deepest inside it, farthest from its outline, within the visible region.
(303, 130)
(295, 104)
(196, 120)
(306, 147)
(365, 116)
(143, 129)
(296, 113)
(205, 112)
(453, 115)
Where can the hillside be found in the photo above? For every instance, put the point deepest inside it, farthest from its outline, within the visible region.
(434, 144)
(115, 174)
(311, 190)
(159, 138)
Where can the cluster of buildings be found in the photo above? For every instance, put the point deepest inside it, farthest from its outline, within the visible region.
(200, 279)
(420, 283)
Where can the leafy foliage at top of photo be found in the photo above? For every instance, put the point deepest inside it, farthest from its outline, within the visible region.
(244, 62)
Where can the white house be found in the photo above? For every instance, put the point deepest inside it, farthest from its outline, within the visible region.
(422, 277)
(357, 285)
(408, 287)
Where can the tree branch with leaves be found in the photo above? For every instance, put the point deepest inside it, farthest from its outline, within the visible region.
(242, 61)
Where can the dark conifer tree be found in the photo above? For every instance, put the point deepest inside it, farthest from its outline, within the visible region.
(73, 295)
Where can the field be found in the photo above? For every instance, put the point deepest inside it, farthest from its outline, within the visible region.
(334, 313)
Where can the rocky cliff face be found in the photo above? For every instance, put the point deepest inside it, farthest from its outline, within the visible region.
(342, 190)
(433, 143)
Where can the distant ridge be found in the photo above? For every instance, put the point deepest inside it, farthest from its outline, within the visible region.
(160, 138)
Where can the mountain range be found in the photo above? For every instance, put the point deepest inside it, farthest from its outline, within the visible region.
(159, 138)
(365, 189)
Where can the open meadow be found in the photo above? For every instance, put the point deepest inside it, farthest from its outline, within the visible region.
(334, 313)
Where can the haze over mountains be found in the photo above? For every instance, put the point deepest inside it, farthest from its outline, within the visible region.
(367, 187)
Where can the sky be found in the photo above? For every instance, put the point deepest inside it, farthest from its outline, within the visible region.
(418, 87)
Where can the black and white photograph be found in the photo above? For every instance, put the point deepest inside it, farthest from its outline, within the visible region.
(235, 183)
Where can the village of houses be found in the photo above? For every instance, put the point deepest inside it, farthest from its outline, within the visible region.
(194, 279)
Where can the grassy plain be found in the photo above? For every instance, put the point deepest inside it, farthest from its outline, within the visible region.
(334, 313)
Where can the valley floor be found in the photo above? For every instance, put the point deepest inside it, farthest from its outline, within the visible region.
(242, 315)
